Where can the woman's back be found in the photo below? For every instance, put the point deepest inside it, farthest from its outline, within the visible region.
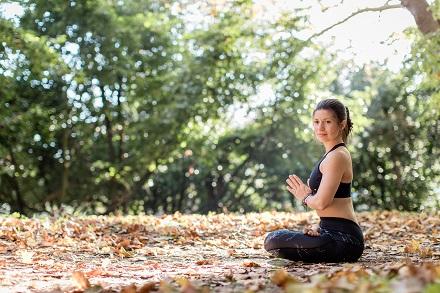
(341, 207)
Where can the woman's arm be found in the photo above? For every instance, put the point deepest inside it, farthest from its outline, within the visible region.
(332, 169)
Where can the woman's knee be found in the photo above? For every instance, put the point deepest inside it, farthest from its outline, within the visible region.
(269, 240)
(272, 240)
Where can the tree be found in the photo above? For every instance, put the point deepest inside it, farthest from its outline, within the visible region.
(136, 80)
(30, 71)
(123, 106)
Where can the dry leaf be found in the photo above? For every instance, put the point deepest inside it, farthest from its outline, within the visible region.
(251, 264)
(124, 253)
(389, 262)
(125, 243)
(416, 247)
(129, 289)
(147, 288)
(282, 278)
(27, 257)
(412, 247)
(229, 276)
(231, 252)
(3, 249)
(204, 262)
(81, 281)
(185, 285)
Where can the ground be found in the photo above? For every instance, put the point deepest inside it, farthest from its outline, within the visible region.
(210, 253)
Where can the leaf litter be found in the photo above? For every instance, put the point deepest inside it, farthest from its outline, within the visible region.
(210, 253)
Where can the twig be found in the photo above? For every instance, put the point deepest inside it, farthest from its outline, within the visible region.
(368, 9)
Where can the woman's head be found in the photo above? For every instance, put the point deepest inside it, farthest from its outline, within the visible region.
(331, 120)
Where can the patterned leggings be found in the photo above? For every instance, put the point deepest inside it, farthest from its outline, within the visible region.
(340, 240)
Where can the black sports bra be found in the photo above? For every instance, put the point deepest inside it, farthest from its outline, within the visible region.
(344, 189)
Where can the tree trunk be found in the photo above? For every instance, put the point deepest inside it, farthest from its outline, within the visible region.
(211, 203)
(121, 125)
(108, 126)
(19, 199)
(424, 19)
(66, 163)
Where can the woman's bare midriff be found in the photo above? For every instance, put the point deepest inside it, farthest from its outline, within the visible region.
(340, 208)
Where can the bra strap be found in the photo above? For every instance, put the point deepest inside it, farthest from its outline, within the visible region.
(335, 147)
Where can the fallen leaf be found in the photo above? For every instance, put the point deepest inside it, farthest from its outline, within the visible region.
(27, 256)
(129, 289)
(124, 253)
(251, 264)
(282, 278)
(147, 288)
(81, 281)
(204, 262)
(185, 285)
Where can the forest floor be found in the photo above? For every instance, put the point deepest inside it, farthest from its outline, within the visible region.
(210, 253)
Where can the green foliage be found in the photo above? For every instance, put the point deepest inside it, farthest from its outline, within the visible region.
(113, 106)
(394, 163)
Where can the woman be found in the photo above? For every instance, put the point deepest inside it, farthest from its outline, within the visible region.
(338, 238)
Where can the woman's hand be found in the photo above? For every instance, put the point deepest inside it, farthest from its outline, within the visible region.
(296, 187)
(312, 230)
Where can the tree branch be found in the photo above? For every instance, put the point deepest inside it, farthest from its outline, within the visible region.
(422, 15)
(368, 9)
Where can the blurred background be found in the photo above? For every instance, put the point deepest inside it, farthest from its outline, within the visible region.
(154, 106)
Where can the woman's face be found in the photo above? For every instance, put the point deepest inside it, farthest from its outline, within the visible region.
(326, 126)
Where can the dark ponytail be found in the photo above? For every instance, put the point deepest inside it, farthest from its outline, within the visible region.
(348, 126)
(341, 112)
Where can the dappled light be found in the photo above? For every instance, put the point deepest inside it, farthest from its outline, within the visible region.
(100, 109)
(187, 114)
(214, 253)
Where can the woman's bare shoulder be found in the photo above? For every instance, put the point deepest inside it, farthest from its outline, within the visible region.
(339, 156)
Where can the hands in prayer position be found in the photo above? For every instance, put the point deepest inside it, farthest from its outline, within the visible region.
(300, 191)
(296, 187)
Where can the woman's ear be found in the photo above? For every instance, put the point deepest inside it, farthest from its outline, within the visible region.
(343, 124)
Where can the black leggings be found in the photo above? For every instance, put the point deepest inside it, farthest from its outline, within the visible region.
(340, 240)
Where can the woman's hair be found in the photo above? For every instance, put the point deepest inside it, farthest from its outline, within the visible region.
(341, 113)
